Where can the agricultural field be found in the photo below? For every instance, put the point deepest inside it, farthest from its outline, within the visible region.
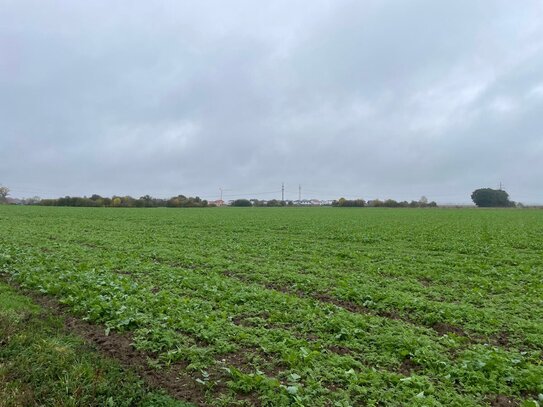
(292, 306)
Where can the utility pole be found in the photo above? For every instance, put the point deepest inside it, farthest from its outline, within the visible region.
(501, 186)
(220, 189)
(282, 191)
(299, 193)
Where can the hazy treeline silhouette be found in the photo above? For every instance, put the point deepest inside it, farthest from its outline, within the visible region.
(180, 201)
(389, 203)
(262, 203)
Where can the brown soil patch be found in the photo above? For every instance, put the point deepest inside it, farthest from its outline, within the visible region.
(502, 401)
(408, 367)
(443, 328)
(124, 272)
(348, 305)
(425, 281)
(340, 350)
(280, 288)
(248, 360)
(395, 316)
(502, 339)
(244, 320)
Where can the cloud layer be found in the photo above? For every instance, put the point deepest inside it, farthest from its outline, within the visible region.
(361, 99)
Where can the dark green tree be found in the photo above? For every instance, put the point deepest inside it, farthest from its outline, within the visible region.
(242, 202)
(274, 202)
(342, 202)
(488, 198)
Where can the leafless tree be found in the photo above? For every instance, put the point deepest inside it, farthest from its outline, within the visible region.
(4, 192)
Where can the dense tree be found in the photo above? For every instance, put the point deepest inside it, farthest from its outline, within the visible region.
(376, 203)
(488, 197)
(346, 203)
(275, 202)
(389, 203)
(146, 201)
(242, 202)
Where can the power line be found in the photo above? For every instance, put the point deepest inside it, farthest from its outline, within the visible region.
(245, 194)
(222, 190)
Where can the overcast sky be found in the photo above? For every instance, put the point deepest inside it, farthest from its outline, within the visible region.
(388, 99)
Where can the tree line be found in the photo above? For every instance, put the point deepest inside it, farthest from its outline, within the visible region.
(341, 202)
(182, 201)
(389, 203)
(179, 201)
(482, 197)
(261, 203)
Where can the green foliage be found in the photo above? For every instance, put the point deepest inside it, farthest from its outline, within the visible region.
(488, 197)
(342, 202)
(391, 203)
(306, 306)
(146, 201)
(242, 202)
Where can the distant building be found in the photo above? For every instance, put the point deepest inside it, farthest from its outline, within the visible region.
(310, 202)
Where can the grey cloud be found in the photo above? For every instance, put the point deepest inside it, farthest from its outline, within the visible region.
(370, 99)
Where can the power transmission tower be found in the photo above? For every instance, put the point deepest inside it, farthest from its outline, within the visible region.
(223, 190)
(282, 191)
(501, 186)
(299, 193)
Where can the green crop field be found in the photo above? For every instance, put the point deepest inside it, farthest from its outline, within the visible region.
(296, 306)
